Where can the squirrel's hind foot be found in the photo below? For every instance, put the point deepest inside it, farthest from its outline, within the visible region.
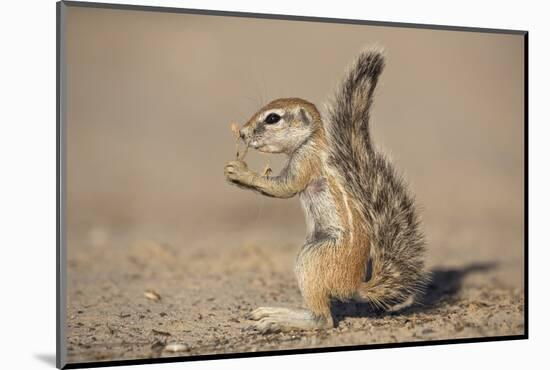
(280, 319)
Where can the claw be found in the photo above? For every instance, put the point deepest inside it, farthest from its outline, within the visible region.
(266, 326)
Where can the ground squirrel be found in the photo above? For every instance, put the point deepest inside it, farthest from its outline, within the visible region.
(363, 240)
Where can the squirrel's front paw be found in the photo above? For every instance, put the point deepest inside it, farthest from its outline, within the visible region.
(237, 172)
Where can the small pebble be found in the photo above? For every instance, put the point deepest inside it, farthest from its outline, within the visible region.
(176, 347)
(152, 295)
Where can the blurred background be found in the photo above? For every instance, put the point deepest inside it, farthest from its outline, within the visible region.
(151, 97)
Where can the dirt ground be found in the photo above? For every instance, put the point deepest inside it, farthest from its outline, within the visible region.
(150, 97)
(206, 292)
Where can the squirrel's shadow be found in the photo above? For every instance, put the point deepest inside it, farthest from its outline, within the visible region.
(444, 285)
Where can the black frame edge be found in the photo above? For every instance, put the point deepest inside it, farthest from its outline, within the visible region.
(61, 348)
(57, 224)
(99, 5)
(526, 182)
(163, 360)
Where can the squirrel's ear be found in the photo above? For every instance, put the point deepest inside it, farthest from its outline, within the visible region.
(304, 116)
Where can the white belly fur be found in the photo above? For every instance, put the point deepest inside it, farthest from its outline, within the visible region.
(322, 220)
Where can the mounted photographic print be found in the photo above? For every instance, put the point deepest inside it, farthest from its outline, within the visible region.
(234, 184)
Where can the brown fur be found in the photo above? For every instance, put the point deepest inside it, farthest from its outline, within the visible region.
(355, 206)
(327, 268)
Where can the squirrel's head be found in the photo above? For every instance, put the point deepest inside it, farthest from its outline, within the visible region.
(282, 126)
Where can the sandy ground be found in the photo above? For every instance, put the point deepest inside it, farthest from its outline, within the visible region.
(206, 292)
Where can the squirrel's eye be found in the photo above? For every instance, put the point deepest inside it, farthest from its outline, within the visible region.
(272, 118)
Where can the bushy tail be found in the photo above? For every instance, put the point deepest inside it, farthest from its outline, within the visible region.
(388, 211)
(349, 112)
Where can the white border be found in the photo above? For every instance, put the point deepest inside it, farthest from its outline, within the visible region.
(28, 183)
